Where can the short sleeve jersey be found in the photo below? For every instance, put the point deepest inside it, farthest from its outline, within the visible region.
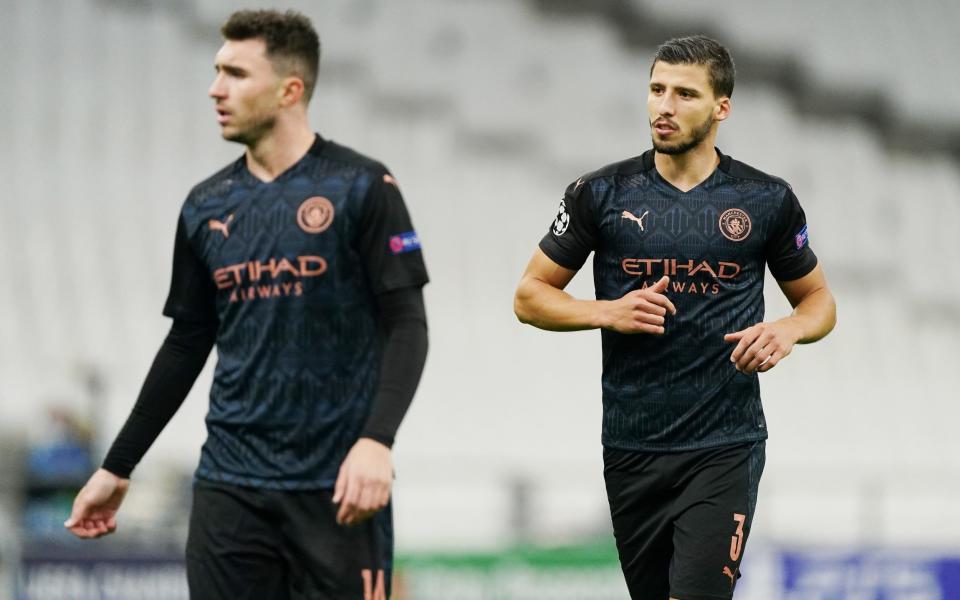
(290, 270)
(679, 391)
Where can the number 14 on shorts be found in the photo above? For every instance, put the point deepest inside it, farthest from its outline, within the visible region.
(373, 590)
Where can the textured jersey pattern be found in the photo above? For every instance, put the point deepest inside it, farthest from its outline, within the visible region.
(298, 344)
(680, 391)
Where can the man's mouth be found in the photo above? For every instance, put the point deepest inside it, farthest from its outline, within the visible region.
(664, 127)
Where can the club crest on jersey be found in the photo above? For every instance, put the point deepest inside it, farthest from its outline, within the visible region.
(562, 221)
(315, 214)
(735, 224)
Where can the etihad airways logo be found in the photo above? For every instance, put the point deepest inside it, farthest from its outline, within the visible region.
(714, 273)
(274, 278)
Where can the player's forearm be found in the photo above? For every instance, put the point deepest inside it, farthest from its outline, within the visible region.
(544, 306)
(175, 368)
(404, 319)
(814, 316)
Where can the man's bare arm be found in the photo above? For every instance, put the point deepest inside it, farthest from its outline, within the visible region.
(540, 301)
(761, 346)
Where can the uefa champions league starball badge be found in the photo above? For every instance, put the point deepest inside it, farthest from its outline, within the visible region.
(562, 221)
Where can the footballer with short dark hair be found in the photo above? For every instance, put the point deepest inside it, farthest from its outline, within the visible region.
(300, 263)
(681, 236)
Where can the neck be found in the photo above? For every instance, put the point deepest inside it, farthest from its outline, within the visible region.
(688, 170)
(280, 149)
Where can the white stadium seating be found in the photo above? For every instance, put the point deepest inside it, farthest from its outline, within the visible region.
(485, 111)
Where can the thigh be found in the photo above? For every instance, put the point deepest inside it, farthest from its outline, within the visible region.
(336, 562)
(232, 549)
(640, 510)
(712, 522)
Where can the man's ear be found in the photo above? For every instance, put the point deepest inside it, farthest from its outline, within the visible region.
(291, 91)
(722, 110)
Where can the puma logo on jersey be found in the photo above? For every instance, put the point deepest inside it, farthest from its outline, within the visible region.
(629, 215)
(221, 226)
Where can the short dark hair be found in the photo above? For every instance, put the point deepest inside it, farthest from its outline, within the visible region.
(700, 50)
(292, 43)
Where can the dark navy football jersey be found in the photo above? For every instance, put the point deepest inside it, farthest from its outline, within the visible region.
(679, 391)
(290, 270)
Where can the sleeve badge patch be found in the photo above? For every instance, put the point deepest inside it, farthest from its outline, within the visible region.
(404, 242)
(801, 238)
(562, 221)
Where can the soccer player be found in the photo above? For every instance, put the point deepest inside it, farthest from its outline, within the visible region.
(300, 263)
(680, 236)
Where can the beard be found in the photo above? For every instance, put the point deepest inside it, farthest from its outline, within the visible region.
(695, 138)
(253, 130)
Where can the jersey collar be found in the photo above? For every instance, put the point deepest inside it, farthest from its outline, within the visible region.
(649, 165)
(650, 168)
(318, 144)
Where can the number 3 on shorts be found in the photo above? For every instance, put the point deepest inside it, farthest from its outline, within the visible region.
(736, 541)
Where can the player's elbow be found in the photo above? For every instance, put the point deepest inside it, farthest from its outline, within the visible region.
(520, 310)
(832, 317)
(825, 317)
(829, 313)
(521, 304)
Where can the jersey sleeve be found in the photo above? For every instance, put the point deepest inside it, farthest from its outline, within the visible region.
(388, 243)
(404, 320)
(192, 294)
(174, 370)
(574, 232)
(788, 249)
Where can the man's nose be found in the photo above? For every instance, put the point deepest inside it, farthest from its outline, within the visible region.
(216, 88)
(667, 105)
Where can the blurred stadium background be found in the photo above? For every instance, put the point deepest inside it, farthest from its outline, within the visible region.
(485, 110)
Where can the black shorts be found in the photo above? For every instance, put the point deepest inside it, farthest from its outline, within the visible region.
(681, 519)
(247, 543)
